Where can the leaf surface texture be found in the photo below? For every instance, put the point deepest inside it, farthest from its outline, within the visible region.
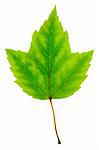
(49, 68)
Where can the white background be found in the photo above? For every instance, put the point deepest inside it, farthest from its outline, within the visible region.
(27, 123)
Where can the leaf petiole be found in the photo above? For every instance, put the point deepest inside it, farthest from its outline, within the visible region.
(59, 141)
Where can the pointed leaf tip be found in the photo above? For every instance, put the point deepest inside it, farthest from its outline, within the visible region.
(7, 50)
(90, 52)
(54, 10)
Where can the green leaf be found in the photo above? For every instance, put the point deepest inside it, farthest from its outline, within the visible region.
(49, 69)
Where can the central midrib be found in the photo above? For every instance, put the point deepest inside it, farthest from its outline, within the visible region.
(50, 60)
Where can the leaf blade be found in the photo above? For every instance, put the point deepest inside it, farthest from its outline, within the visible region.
(49, 69)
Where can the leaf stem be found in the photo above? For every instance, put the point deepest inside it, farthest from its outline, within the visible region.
(59, 142)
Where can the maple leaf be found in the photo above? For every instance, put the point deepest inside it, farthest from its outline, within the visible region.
(49, 70)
